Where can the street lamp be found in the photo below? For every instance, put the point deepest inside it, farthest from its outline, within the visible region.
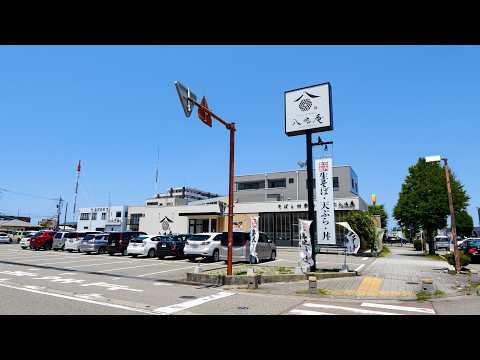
(437, 158)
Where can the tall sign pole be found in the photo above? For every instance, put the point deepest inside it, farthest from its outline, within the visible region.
(188, 99)
(308, 110)
(76, 191)
(452, 218)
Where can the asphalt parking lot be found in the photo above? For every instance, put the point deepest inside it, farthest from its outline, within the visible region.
(51, 282)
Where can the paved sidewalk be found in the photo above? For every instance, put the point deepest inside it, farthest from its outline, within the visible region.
(396, 276)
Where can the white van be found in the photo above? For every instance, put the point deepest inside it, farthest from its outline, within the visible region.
(442, 242)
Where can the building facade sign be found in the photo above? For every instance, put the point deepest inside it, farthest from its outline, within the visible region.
(324, 202)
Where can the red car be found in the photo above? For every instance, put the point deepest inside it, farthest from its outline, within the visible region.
(42, 239)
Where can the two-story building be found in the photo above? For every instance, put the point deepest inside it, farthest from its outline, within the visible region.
(103, 218)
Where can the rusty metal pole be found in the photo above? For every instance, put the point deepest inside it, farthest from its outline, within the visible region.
(452, 217)
(231, 127)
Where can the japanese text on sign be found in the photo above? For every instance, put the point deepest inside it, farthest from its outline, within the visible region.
(324, 201)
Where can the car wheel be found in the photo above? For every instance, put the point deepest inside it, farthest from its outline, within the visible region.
(63, 247)
(151, 253)
(101, 251)
(215, 256)
(273, 256)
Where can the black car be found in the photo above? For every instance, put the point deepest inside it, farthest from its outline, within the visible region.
(471, 247)
(171, 245)
(118, 241)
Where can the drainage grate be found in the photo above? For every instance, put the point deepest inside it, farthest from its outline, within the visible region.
(243, 308)
(187, 297)
(412, 283)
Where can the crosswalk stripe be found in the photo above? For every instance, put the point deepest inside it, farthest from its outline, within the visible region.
(308, 312)
(345, 308)
(397, 307)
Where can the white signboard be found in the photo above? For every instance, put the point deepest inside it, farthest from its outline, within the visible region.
(324, 201)
(305, 245)
(308, 109)
(254, 235)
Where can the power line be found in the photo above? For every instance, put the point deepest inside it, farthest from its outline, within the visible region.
(25, 194)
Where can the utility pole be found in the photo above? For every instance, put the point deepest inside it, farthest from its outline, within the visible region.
(76, 191)
(59, 210)
(65, 218)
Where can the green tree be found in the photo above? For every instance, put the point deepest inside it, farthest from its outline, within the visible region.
(423, 199)
(379, 210)
(362, 223)
(464, 223)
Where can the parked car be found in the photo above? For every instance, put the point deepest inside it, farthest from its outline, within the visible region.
(442, 242)
(60, 238)
(72, 243)
(266, 249)
(25, 241)
(18, 235)
(94, 243)
(172, 245)
(4, 238)
(118, 241)
(42, 240)
(471, 247)
(144, 245)
(204, 245)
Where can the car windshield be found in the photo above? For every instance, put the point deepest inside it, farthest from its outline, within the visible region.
(139, 239)
(89, 237)
(199, 237)
(58, 235)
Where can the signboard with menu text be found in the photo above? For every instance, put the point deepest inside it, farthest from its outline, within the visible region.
(324, 201)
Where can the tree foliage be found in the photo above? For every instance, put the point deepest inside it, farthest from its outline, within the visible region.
(362, 223)
(464, 223)
(423, 199)
(379, 210)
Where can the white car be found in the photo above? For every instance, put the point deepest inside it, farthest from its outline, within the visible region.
(4, 238)
(205, 245)
(73, 243)
(25, 241)
(144, 245)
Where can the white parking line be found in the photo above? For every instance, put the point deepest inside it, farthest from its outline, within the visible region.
(365, 258)
(109, 263)
(402, 308)
(358, 268)
(67, 262)
(191, 303)
(132, 267)
(164, 271)
(122, 307)
(308, 312)
(355, 310)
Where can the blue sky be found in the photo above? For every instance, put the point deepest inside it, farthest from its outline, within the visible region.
(111, 106)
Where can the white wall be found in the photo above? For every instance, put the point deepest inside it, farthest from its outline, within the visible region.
(92, 225)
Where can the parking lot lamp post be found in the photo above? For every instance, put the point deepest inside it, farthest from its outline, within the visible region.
(452, 210)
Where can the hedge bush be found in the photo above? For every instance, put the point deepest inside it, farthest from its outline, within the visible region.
(464, 259)
(417, 244)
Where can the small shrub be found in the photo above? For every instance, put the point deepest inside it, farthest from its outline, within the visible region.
(417, 244)
(423, 295)
(464, 259)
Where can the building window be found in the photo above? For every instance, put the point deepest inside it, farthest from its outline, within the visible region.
(251, 185)
(84, 216)
(335, 183)
(118, 214)
(85, 227)
(290, 181)
(94, 216)
(135, 219)
(277, 183)
(274, 197)
(104, 215)
(196, 226)
(152, 203)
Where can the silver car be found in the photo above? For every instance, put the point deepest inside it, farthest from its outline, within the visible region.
(266, 249)
(205, 245)
(96, 243)
(60, 238)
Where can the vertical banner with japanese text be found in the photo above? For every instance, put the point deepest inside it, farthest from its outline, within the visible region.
(254, 236)
(305, 245)
(324, 201)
